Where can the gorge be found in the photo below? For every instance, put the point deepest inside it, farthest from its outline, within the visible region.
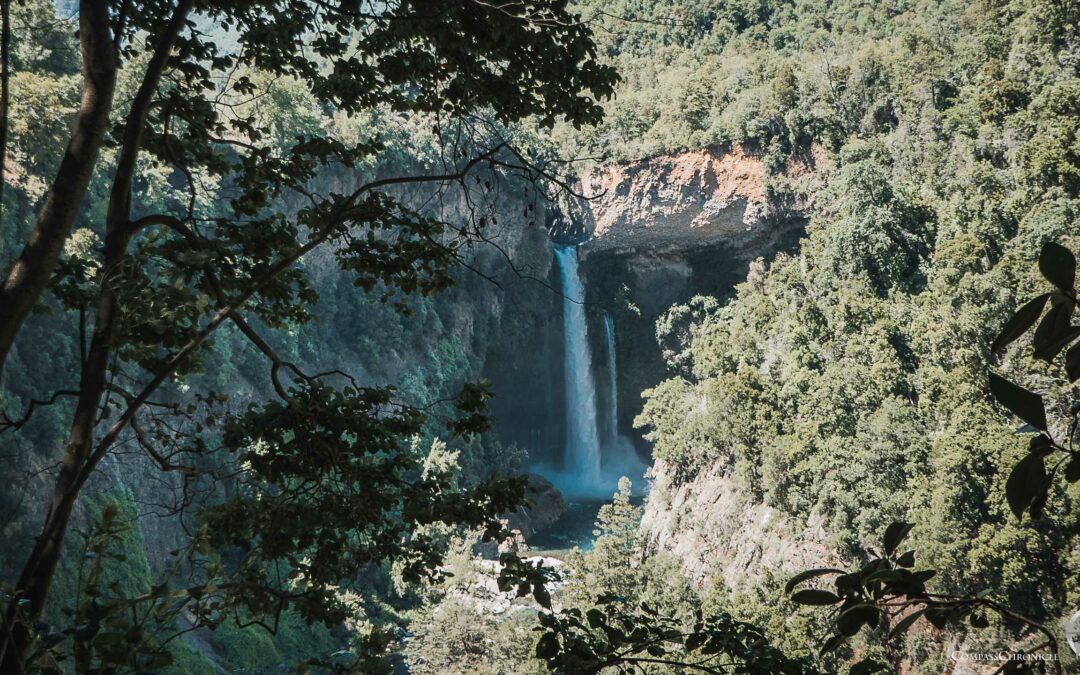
(650, 235)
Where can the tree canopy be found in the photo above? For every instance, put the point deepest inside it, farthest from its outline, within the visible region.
(177, 209)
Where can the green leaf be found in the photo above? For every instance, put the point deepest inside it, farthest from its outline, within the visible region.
(695, 640)
(1058, 265)
(887, 576)
(547, 647)
(848, 582)
(1072, 363)
(809, 574)
(815, 596)
(596, 617)
(894, 536)
(1051, 350)
(542, 597)
(866, 667)
(852, 619)
(1027, 484)
(1055, 332)
(1020, 322)
(1024, 404)
(903, 624)
(832, 643)
(937, 616)
(1072, 469)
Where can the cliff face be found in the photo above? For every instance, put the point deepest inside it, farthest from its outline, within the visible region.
(693, 199)
(720, 534)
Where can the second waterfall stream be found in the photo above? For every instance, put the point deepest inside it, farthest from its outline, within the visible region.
(612, 426)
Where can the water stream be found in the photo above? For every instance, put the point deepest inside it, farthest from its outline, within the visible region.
(613, 381)
(595, 455)
(582, 453)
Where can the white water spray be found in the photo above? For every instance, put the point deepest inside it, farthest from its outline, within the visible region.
(613, 380)
(582, 439)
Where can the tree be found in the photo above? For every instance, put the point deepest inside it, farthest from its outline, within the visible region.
(325, 480)
(887, 592)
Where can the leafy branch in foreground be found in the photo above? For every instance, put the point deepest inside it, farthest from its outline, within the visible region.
(888, 593)
(627, 637)
(1029, 482)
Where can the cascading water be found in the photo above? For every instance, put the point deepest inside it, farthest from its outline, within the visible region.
(613, 382)
(586, 483)
(582, 438)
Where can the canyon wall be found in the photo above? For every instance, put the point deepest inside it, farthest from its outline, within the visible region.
(694, 199)
(721, 534)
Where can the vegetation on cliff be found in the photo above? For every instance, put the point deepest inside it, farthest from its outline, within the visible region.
(848, 380)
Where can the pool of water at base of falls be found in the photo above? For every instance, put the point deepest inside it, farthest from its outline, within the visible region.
(574, 528)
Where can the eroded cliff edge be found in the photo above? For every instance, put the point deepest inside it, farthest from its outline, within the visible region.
(723, 193)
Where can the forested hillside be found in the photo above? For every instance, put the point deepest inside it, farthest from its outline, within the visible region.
(848, 380)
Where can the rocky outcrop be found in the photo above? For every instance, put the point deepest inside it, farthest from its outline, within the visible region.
(545, 506)
(696, 198)
(719, 533)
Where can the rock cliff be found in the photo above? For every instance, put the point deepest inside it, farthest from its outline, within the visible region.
(696, 198)
(719, 533)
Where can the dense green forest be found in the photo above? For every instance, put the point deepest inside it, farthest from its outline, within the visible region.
(844, 381)
(848, 380)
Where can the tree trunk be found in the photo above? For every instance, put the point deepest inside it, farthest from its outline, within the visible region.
(79, 461)
(30, 274)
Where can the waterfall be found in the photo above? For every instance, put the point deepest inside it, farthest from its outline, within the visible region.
(582, 439)
(613, 380)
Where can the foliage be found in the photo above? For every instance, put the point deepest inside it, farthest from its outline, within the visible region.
(625, 637)
(104, 632)
(886, 592)
(203, 171)
(847, 381)
(453, 636)
(1028, 485)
